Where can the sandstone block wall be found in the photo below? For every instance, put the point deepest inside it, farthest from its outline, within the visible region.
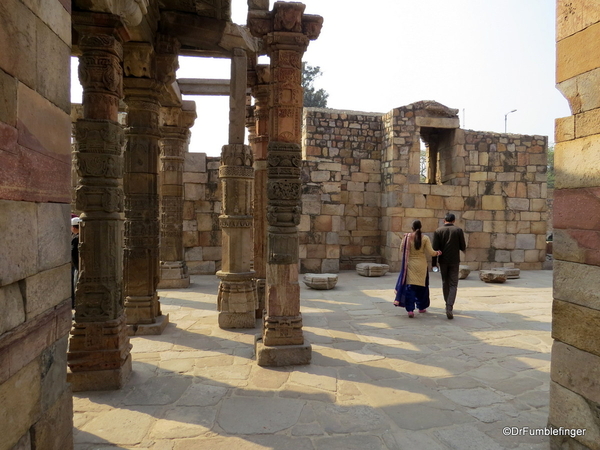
(35, 156)
(575, 367)
(201, 210)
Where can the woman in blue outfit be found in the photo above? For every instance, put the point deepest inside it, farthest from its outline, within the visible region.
(412, 287)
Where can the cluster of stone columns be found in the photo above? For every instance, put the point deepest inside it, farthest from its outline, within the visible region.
(118, 175)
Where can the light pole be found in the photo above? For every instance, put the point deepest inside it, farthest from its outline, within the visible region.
(505, 118)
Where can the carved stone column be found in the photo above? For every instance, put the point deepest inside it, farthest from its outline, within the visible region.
(141, 263)
(259, 140)
(236, 300)
(175, 128)
(99, 349)
(286, 31)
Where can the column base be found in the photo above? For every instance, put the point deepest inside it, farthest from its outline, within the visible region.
(237, 320)
(173, 275)
(149, 329)
(100, 380)
(142, 309)
(281, 355)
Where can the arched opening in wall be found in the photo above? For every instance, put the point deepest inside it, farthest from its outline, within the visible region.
(436, 150)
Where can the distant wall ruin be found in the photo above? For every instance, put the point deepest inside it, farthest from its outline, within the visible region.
(365, 181)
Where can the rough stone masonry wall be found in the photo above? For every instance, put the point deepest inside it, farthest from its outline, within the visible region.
(342, 185)
(35, 154)
(201, 210)
(575, 367)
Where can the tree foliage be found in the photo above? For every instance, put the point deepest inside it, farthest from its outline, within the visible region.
(313, 97)
(550, 171)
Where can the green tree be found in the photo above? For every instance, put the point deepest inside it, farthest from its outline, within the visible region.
(550, 172)
(312, 97)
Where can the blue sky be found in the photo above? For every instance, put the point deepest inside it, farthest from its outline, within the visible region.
(484, 58)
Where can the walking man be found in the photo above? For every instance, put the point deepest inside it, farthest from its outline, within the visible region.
(450, 239)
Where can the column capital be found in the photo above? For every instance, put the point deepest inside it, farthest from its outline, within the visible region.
(88, 24)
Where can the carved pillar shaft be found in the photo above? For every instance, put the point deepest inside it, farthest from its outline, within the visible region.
(259, 141)
(236, 300)
(175, 135)
(141, 262)
(99, 348)
(286, 32)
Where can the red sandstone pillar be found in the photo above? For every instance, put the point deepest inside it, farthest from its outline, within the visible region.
(99, 349)
(286, 31)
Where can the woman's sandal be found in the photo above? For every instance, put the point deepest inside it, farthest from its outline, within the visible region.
(396, 303)
(411, 314)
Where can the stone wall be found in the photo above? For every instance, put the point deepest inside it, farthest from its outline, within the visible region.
(575, 367)
(201, 210)
(35, 156)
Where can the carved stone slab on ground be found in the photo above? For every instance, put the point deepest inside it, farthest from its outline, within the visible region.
(512, 273)
(320, 280)
(372, 269)
(463, 271)
(492, 276)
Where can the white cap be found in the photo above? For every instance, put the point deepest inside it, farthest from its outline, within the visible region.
(75, 221)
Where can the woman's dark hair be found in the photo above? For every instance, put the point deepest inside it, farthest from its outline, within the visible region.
(416, 226)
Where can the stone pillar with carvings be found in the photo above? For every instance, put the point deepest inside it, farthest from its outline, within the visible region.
(286, 31)
(99, 349)
(175, 129)
(141, 260)
(259, 140)
(236, 300)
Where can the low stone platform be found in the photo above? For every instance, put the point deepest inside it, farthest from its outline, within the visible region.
(372, 269)
(321, 281)
(463, 271)
(492, 276)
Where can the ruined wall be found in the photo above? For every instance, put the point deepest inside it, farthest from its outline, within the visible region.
(574, 388)
(35, 268)
(201, 210)
(341, 190)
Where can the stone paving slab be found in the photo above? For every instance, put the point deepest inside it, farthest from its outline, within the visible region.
(378, 380)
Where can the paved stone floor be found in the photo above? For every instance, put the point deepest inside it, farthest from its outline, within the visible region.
(378, 380)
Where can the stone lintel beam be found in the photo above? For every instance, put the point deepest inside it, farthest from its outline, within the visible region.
(203, 86)
(131, 12)
(207, 34)
(237, 97)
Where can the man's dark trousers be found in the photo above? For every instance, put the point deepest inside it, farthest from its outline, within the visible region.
(449, 274)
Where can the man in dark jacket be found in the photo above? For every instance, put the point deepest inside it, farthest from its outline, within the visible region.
(450, 239)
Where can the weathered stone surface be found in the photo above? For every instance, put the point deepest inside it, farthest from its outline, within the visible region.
(570, 410)
(577, 283)
(12, 307)
(282, 355)
(512, 273)
(463, 271)
(20, 399)
(585, 380)
(54, 430)
(372, 269)
(492, 276)
(320, 280)
(274, 416)
(47, 289)
(576, 325)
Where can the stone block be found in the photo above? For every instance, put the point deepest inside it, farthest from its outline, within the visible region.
(473, 225)
(193, 191)
(564, 129)
(479, 240)
(17, 38)
(204, 222)
(195, 177)
(576, 54)
(577, 163)
(321, 281)
(54, 430)
(12, 308)
(370, 166)
(190, 225)
(577, 283)
(330, 265)
(18, 238)
(282, 355)
(100, 380)
(44, 124)
(492, 276)
(54, 235)
(322, 223)
(512, 273)
(8, 99)
(454, 203)
(534, 256)
(53, 54)
(318, 176)
(332, 210)
(502, 256)
(576, 325)
(517, 256)
(53, 369)
(571, 410)
(190, 238)
(517, 204)
(311, 207)
(211, 253)
(194, 162)
(503, 241)
(47, 289)
(20, 400)
(193, 254)
(525, 241)
(355, 186)
(577, 209)
(202, 267)
(493, 202)
(584, 381)
(574, 17)
(367, 223)
(463, 271)
(372, 269)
